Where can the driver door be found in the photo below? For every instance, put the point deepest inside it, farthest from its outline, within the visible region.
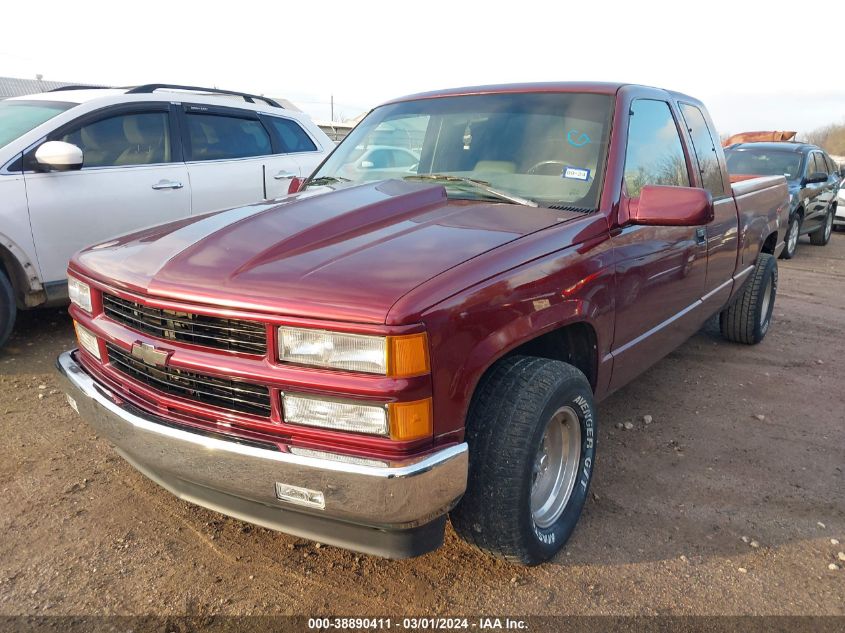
(660, 270)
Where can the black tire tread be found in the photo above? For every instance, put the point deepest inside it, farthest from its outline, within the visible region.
(498, 426)
(738, 322)
(785, 252)
(8, 309)
(817, 236)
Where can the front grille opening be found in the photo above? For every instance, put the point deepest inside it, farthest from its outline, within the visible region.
(242, 397)
(234, 335)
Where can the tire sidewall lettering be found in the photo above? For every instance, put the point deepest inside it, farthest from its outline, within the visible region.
(560, 530)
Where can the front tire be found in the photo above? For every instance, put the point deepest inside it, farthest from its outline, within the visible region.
(748, 318)
(791, 241)
(531, 432)
(8, 309)
(821, 236)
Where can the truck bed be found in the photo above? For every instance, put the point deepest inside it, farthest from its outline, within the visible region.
(763, 208)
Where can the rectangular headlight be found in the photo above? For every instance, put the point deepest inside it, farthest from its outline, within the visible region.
(87, 340)
(396, 356)
(402, 421)
(333, 350)
(79, 293)
(335, 414)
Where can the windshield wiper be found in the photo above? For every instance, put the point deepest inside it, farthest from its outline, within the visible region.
(483, 185)
(327, 180)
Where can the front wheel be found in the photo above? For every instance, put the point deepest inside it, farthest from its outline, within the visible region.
(8, 309)
(531, 432)
(821, 236)
(748, 318)
(791, 240)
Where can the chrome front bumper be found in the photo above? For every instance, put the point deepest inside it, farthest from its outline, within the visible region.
(397, 509)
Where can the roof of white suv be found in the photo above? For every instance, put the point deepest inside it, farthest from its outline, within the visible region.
(155, 92)
(72, 96)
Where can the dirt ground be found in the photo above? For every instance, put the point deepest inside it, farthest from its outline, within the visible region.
(746, 444)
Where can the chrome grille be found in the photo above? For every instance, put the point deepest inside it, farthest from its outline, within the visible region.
(242, 397)
(229, 334)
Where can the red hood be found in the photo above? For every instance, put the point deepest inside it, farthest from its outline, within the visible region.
(345, 255)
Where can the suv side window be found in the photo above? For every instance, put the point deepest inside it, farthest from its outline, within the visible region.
(654, 155)
(141, 138)
(219, 137)
(831, 167)
(404, 159)
(293, 138)
(818, 165)
(382, 159)
(705, 150)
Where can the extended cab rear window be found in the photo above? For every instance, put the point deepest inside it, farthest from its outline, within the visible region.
(704, 145)
(547, 147)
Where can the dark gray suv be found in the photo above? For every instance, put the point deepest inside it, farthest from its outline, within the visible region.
(813, 178)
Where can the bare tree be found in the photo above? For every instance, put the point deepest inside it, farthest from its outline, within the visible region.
(829, 137)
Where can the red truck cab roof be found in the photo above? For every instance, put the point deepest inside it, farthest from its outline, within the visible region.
(589, 87)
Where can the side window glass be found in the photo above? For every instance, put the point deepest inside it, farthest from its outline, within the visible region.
(404, 159)
(217, 137)
(381, 159)
(705, 150)
(293, 137)
(127, 139)
(654, 155)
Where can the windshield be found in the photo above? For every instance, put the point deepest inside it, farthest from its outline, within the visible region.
(548, 148)
(761, 162)
(19, 117)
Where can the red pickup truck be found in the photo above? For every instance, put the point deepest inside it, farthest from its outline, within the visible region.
(424, 328)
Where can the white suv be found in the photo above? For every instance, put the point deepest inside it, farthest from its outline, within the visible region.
(79, 165)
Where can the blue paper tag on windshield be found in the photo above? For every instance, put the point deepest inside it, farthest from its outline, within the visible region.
(576, 173)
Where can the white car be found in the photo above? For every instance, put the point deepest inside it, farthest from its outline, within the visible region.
(78, 166)
(839, 218)
(384, 158)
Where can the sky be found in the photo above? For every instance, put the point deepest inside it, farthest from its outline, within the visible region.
(738, 57)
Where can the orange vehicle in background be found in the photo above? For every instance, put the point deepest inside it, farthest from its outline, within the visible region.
(759, 137)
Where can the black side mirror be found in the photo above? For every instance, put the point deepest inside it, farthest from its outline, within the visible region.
(816, 176)
(842, 171)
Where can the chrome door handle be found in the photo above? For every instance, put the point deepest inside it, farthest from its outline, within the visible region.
(168, 184)
(282, 175)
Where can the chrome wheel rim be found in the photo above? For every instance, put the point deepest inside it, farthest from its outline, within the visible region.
(767, 300)
(793, 236)
(555, 467)
(828, 225)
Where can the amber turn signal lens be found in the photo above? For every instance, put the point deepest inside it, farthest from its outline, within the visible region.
(410, 420)
(407, 355)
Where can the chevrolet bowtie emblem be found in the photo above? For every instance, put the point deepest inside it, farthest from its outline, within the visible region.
(150, 354)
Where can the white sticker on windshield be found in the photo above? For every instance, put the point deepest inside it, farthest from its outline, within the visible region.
(576, 173)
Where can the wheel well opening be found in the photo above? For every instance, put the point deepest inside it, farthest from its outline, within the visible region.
(11, 268)
(770, 244)
(574, 344)
(6, 266)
